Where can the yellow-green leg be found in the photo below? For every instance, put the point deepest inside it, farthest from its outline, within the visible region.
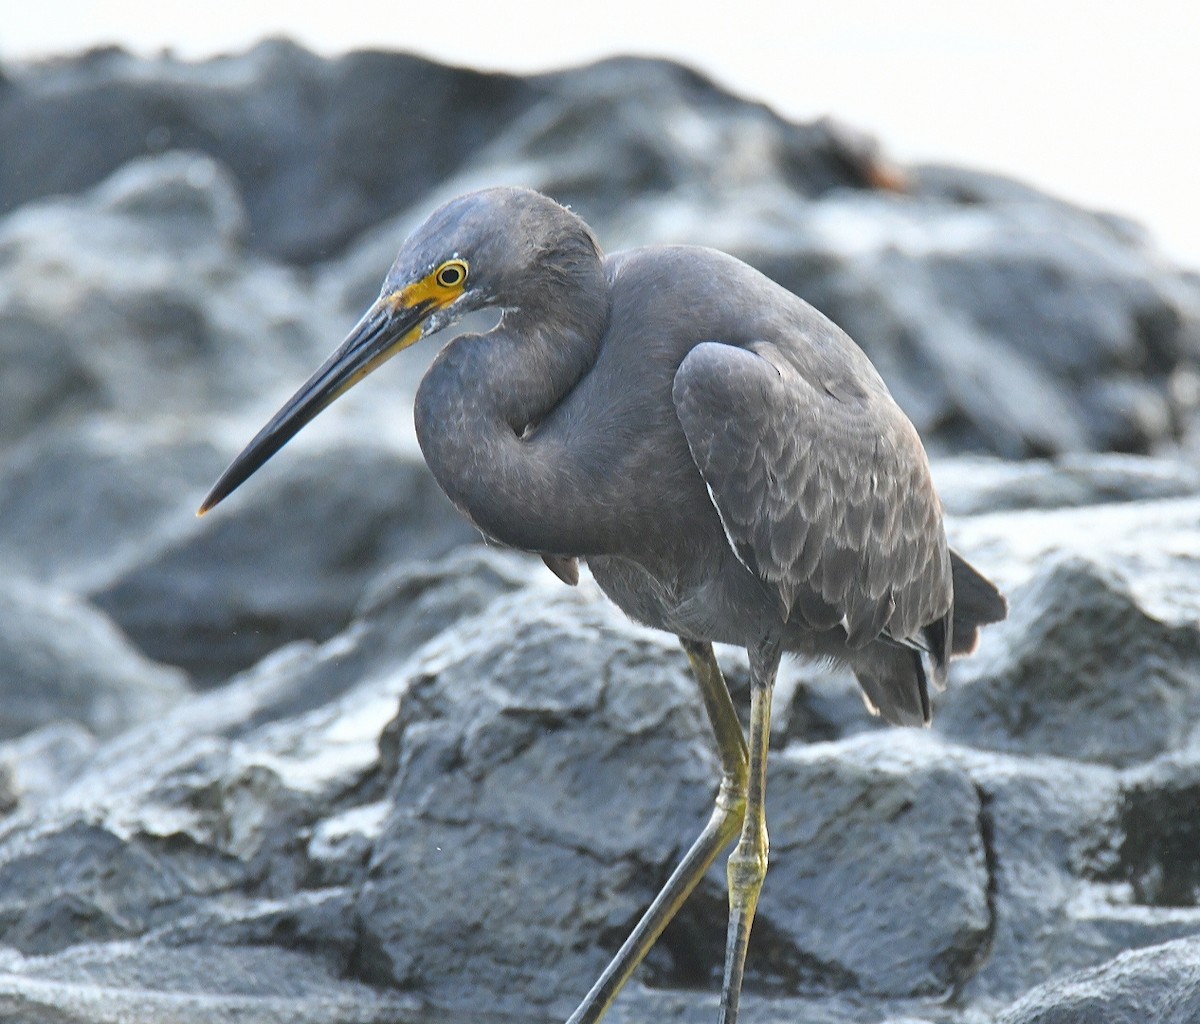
(724, 824)
(748, 862)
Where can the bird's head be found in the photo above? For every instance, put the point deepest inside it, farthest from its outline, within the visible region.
(482, 250)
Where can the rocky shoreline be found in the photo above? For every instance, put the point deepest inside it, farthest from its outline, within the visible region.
(323, 756)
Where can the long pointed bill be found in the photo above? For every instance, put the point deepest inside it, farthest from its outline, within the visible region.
(387, 328)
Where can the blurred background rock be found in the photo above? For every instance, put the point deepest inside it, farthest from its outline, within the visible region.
(322, 756)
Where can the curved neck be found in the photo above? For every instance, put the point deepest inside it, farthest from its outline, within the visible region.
(479, 407)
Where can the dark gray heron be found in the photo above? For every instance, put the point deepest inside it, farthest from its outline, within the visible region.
(724, 457)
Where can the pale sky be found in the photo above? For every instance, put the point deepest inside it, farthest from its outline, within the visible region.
(1098, 103)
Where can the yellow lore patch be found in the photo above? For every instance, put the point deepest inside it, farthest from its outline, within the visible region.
(439, 289)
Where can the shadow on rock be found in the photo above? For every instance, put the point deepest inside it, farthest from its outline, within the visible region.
(289, 560)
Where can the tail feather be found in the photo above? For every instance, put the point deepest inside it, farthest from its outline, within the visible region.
(893, 682)
(939, 642)
(892, 674)
(977, 602)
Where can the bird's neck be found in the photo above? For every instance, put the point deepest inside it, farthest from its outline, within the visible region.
(479, 407)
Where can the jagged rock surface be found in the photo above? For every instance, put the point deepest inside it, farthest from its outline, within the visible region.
(320, 756)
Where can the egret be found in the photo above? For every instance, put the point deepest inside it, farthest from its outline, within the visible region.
(725, 459)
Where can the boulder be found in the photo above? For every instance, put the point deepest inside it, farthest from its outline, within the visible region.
(866, 835)
(82, 503)
(62, 660)
(1161, 983)
(316, 146)
(1005, 321)
(973, 485)
(320, 755)
(553, 780)
(139, 298)
(1079, 669)
(289, 559)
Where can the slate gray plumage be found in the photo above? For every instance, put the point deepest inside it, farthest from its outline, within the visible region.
(724, 457)
(141, 336)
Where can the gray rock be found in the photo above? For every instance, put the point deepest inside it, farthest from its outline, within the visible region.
(1079, 670)
(201, 814)
(1158, 855)
(96, 983)
(1160, 984)
(42, 763)
(1014, 327)
(638, 1004)
(140, 298)
(1050, 829)
(900, 273)
(313, 143)
(866, 835)
(287, 561)
(557, 756)
(552, 764)
(83, 503)
(62, 660)
(1152, 545)
(970, 486)
(1004, 321)
(110, 510)
(502, 785)
(375, 685)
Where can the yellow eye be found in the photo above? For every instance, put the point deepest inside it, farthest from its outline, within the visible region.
(451, 274)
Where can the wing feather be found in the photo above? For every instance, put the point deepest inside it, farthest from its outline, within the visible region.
(823, 490)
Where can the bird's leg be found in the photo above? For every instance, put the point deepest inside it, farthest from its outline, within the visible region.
(731, 743)
(722, 826)
(748, 862)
